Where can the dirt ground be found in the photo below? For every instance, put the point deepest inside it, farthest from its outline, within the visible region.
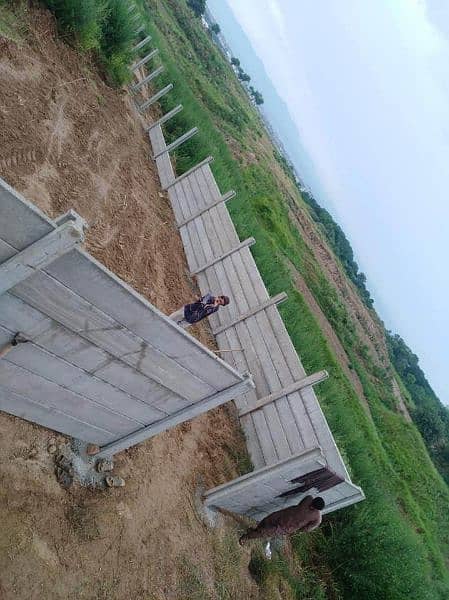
(69, 141)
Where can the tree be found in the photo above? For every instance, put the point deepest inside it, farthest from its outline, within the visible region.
(198, 6)
(257, 97)
(235, 61)
(215, 28)
(244, 76)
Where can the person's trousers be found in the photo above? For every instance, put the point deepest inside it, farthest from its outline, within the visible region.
(262, 532)
(178, 317)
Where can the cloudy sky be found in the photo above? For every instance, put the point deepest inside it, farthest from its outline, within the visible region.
(367, 84)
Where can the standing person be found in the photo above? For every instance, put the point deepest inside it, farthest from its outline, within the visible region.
(201, 308)
(305, 516)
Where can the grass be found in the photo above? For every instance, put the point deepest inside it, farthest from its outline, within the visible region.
(13, 20)
(79, 19)
(395, 544)
(191, 583)
(105, 27)
(219, 580)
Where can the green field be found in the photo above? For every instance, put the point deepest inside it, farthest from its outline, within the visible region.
(395, 544)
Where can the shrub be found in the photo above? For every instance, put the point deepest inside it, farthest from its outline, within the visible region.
(117, 33)
(102, 25)
(117, 30)
(80, 19)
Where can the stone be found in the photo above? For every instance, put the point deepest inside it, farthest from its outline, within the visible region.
(104, 465)
(114, 481)
(63, 462)
(52, 448)
(64, 478)
(92, 449)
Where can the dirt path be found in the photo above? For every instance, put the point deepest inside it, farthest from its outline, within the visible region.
(402, 407)
(68, 141)
(331, 336)
(367, 326)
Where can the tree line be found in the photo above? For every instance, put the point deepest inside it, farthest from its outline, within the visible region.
(255, 94)
(198, 7)
(428, 413)
(340, 245)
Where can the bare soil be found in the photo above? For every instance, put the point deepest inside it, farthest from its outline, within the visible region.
(69, 141)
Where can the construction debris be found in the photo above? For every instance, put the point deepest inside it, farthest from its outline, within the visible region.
(104, 465)
(116, 481)
(92, 449)
(64, 470)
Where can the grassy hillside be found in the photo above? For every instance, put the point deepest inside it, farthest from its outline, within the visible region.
(394, 545)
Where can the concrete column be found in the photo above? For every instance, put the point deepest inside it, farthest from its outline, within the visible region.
(142, 43)
(272, 301)
(228, 196)
(177, 142)
(222, 493)
(43, 252)
(249, 242)
(155, 98)
(183, 415)
(204, 162)
(290, 389)
(138, 86)
(165, 117)
(144, 60)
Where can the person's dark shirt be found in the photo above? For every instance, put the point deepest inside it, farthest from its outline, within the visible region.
(199, 310)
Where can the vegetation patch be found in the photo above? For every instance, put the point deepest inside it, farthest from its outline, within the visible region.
(105, 27)
(13, 20)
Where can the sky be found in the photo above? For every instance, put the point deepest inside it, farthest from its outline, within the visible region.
(366, 83)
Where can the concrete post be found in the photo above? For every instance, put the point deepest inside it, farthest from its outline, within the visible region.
(228, 196)
(248, 242)
(177, 142)
(43, 252)
(204, 162)
(144, 60)
(308, 381)
(165, 117)
(221, 493)
(183, 415)
(272, 301)
(155, 98)
(142, 43)
(138, 86)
